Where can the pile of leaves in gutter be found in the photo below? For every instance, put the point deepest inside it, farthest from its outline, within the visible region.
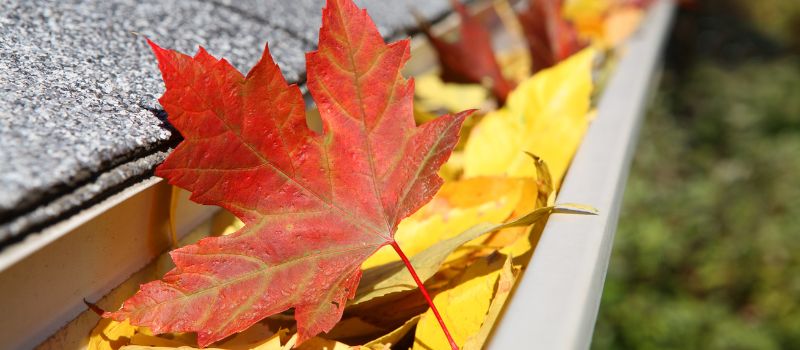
(404, 221)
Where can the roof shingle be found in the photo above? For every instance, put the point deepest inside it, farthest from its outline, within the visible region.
(78, 87)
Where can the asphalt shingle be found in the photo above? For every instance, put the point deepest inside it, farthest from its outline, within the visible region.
(78, 89)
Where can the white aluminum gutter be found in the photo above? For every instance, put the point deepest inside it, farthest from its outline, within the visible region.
(556, 301)
(45, 277)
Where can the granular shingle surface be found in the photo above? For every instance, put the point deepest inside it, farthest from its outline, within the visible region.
(78, 86)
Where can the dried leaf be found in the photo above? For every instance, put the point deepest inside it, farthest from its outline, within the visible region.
(551, 38)
(469, 58)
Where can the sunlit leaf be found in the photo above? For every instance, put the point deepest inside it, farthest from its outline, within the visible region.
(463, 307)
(546, 115)
(505, 283)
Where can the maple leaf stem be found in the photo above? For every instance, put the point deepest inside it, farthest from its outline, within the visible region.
(424, 293)
(96, 309)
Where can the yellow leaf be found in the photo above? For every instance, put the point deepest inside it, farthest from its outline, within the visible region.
(620, 24)
(111, 335)
(226, 223)
(144, 336)
(457, 207)
(463, 307)
(432, 94)
(575, 10)
(587, 16)
(422, 116)
(386, 341)
(315, 343)
(145, 347)
(258, 337)
(393, 277)
(519, 241)
(273, 343)
(546, 115)
(173, 208)
(607, 23)
(438, 229)
(516, 63)
(515, 241)
(504, 285)
(150, 340)
(452, 169)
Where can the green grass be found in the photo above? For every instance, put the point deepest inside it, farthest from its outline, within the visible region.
(707, 253)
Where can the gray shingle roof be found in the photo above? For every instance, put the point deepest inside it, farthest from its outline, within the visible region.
(78, 89)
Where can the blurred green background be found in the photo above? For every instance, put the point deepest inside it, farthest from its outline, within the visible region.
(707, 254)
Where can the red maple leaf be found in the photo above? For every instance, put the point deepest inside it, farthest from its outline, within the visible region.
(315, 206)
(469, 59)
(551, 38)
